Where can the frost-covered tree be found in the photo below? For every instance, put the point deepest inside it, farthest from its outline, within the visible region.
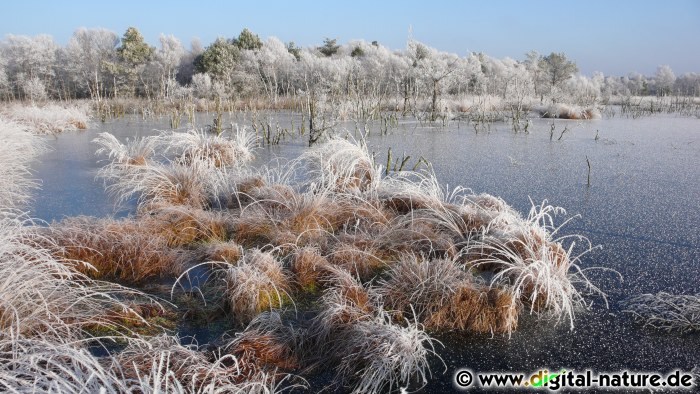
(532, 63)
(357, 51)
(247, 40)
(367, 79)
(218, 60)
(134, 54)
(186, 69)
(320, 80)
(134, 50)
(688, 84)
(636, 83)
(517, 84)
(497, 73)
(330, 47)
(88, 52)
(397, 68)
(245, 76)
(353, 79)
(557, 68)
(583, 90)
(33, 88)
(294, 50)
(168, 58)
(202, 85)
(664, 80)
(473, 74)
(375, 70)
(432, 69)
(274, 64)
(4, 85)
(30, 63)
(613, 86)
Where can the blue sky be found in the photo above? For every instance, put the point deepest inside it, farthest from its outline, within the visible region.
(612, 36)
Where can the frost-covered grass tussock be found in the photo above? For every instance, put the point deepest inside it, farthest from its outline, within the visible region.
(568, 111)
(529, 257)
(19, 148)
(49, 118)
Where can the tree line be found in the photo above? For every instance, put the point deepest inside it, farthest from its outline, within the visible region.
(98, 64)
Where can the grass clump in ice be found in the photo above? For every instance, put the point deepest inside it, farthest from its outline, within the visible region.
(665, 311)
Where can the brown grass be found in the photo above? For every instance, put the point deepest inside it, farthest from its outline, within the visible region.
(359, 259)
(184, 225)
(310, 268)
(78, 124)
(369, 216)
(312, 220)
(563, 111)
(171, 184)
(247, 185)
(268, 197)
(490, 203)
(302, 220)
(530, 248)
(244, 191)
(277, 215)
(402, 205)
(256, 284)
(252, 347)
(229, 252)
(532, 241)
(529, 244)
(124, 249)
(347, 300)
(341, 166)
(266, 343)
(438, 293)
(137, 161)
(136, 361)
(477, 309)
(417, 236)
(162, 364)
(359, 179)
(219, 154)
(254, 230)
(418, 286)
(344, 303)
(180, 185)
(474, 219)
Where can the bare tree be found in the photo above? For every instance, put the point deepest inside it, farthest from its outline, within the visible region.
(433, 68)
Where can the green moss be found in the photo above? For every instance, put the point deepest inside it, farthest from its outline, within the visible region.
(311, 288)
(273, 300)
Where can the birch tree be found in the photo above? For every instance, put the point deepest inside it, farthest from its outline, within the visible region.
(89, 50)
(168, 58)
